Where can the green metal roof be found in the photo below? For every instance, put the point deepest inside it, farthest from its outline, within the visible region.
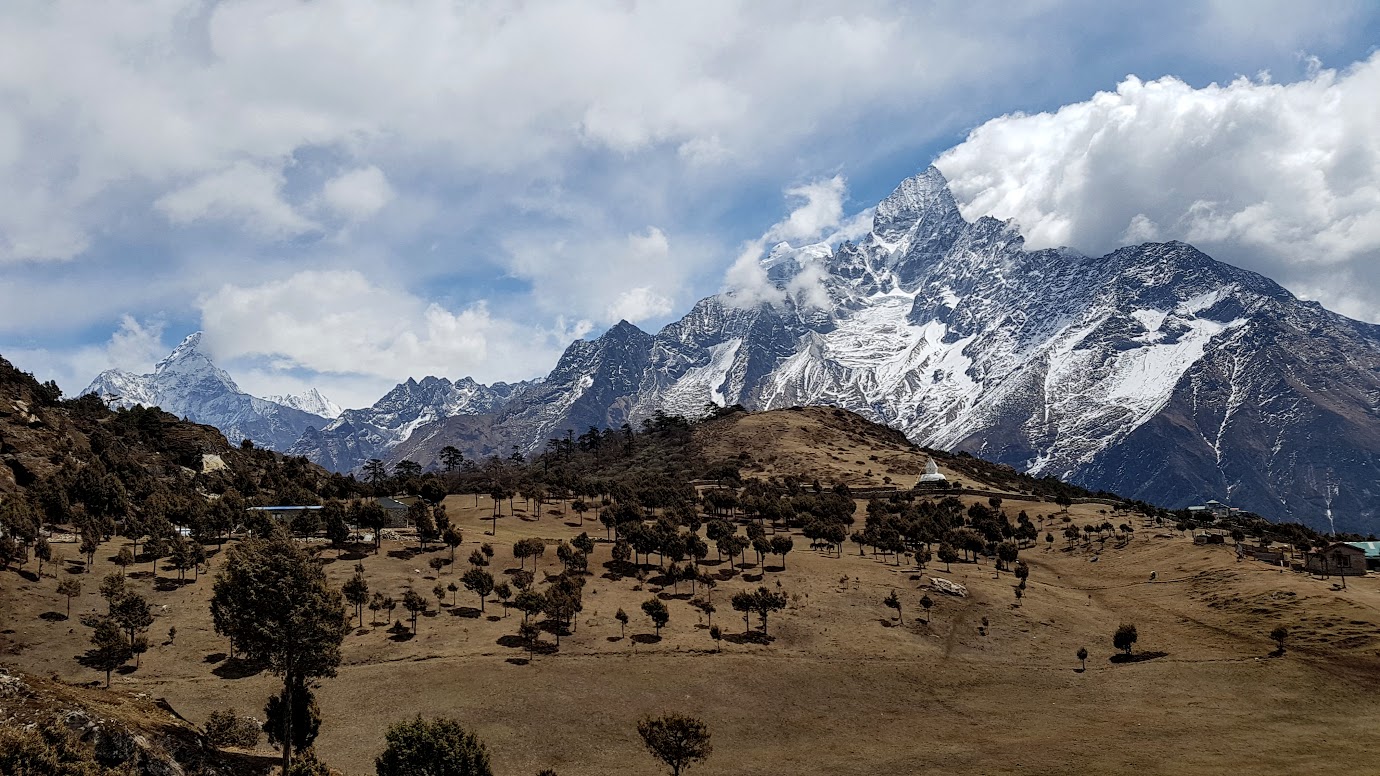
(1371, 549)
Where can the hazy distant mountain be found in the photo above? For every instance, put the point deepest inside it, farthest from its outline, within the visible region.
(311, 401)
(355, 436)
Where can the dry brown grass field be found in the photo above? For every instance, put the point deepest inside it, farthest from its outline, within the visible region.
(984, 685)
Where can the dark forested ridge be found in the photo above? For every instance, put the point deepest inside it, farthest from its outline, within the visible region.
(77, 454)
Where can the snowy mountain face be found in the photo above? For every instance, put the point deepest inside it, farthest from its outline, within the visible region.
(311, 401)
(188, 384)
(355, 436)
(1155, 371)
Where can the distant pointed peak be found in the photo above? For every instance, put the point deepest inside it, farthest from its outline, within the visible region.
(921, 191)
(932, 175)
(188, 347)
(623, 328)
(923, 196)
(189, 344)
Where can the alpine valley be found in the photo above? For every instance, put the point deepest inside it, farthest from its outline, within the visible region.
(1154, 372)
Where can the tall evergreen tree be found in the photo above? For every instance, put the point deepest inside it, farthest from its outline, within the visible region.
(274, 603)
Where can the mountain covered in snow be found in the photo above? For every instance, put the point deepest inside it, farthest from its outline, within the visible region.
(1154, 371)
(357, 435)
(311, 401)
(188, 384)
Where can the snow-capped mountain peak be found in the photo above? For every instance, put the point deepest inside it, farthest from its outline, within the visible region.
(189, 384)
(310, 400)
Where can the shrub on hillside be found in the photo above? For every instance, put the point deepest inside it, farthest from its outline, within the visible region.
(226, 728)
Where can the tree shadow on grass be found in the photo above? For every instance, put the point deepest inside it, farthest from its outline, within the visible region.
(214, 657)
(645, 638)
(402, 636)
(405, 553)
(751, 637)
(779, 569)
(1138, 657)
(237, 668)
(513, 641)
(518, 661)
(52, 616)
(468, 612)
(614, 639)
(493, 618)
(674, 596)
(550, 626)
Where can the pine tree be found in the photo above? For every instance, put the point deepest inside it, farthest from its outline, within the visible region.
(274, 603)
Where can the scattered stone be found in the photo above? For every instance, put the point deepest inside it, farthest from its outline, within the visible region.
(948, 588)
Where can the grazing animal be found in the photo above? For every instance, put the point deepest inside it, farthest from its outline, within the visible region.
(416, 571)
(1154, 575)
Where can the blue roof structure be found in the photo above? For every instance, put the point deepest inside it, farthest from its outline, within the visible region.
(1371, 549)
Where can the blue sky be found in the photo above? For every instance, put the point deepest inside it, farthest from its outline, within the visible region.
(343, 194)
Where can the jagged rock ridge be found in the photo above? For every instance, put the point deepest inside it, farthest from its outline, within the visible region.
(357, 435)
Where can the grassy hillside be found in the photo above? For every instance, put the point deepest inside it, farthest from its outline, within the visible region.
(977, 685)
(837, 681)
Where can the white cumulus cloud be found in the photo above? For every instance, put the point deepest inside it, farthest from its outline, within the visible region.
(358, 194)
(246, 194)
(1280, 178)
(638, 304)
(634, 276)
(343, 325)
(817, 217)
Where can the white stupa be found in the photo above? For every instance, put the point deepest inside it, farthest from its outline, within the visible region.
(932, 478)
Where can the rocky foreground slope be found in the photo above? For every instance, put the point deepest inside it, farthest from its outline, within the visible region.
(48, 727)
